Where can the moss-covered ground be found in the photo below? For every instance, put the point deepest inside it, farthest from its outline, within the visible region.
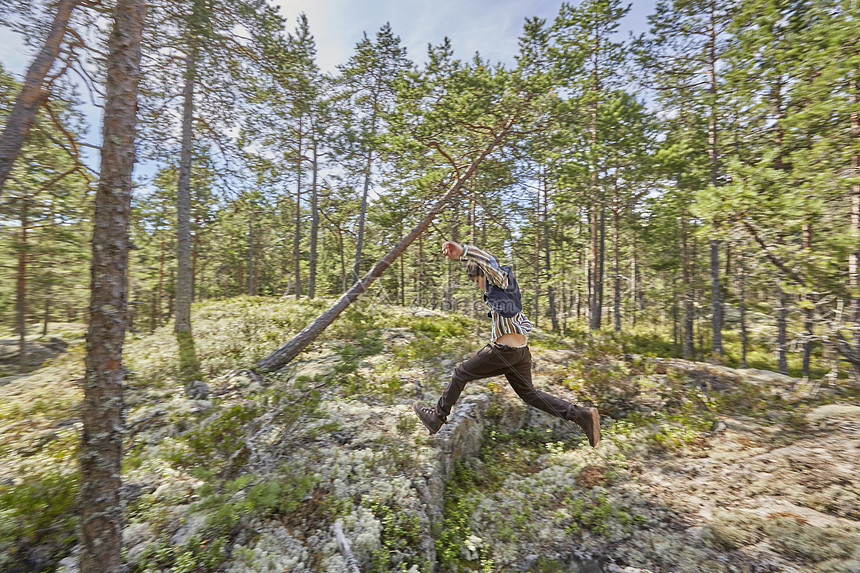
(702, 467)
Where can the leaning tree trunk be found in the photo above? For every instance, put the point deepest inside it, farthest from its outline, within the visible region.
(183, 202)
(294, 347)
(101, 448)
(32, 94)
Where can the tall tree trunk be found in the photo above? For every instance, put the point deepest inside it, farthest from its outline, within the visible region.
(616, 208)
(742, 302)
(47, 316)
(536, 259)
(688, 350)
(21, 288)
(101, 448)
(473, 224)
(854, 256)
(33, 93)
(315, 221)
(356, 269)
(342, 260)
(195, 252)
(675, 328)
(160, 291)
(713, 159)
(252, 267)
(402, 277)
(593, 271)
(586, 286)
(782, 330)
(298, 236)
(596, 299)
(808, 313)
(601, 265)
(716, 300)
(419, 284)
(183, 200)
(548, 270)
(287, 352)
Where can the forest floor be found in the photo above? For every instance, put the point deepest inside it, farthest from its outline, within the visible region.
(701, 467)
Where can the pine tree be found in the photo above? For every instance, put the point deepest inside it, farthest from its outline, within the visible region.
(101, 451)
(687, 45)
(366, 87)
(584, 40)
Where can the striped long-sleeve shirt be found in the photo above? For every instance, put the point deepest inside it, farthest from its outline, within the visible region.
(517, 324)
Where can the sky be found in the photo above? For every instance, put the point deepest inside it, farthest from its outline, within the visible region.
(491, 27)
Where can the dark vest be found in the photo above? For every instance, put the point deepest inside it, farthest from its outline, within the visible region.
(505, 301)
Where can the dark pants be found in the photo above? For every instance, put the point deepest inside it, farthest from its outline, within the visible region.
(516, 365)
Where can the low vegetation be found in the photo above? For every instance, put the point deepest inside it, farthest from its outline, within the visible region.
(253, 476)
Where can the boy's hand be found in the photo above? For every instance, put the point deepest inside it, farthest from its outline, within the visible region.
(452, 250)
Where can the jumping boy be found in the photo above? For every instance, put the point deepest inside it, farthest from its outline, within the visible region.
(507, 354)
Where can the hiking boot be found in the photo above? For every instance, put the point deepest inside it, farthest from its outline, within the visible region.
(431, 419)
(589, 420)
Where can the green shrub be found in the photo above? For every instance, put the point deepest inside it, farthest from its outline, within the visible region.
(40, 511)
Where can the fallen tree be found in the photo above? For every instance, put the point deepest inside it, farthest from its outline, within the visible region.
(288, 351)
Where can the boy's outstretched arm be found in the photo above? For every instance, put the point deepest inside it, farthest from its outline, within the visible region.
(488, 263)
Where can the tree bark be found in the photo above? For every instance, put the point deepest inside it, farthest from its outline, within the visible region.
(713, 159)
(183, 200)
(782, 330)
(101, 449)
(854, 256)
(687, 284)
(156, 320)
(808, 313)
(298, 236)
(294, 347)
(21, 288)
(536, 313)
(616, 208)
(553, 315)
(47, 315)
(368, 171)
(601, 265)
(315, 223)
(716, 299)
(596, 299)
(743, 308)
(32, 94)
